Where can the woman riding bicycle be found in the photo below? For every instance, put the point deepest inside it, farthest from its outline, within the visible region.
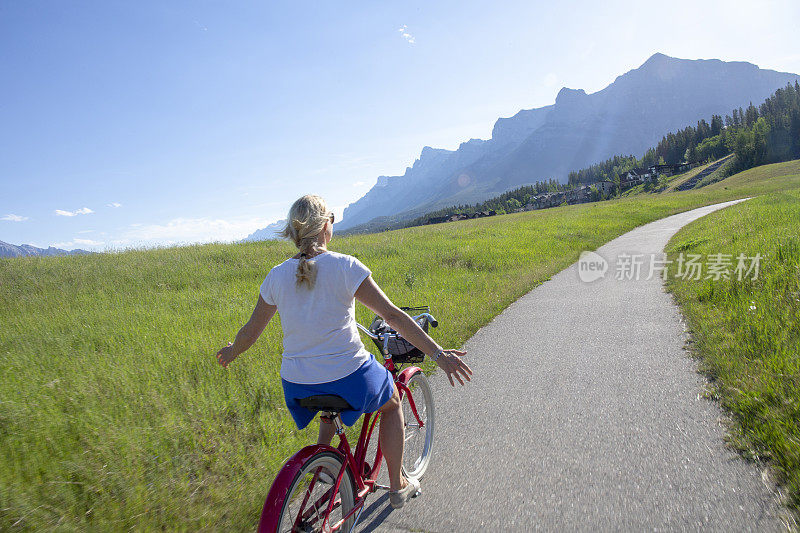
(314, 292)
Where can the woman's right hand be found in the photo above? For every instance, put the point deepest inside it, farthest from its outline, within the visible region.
(450, 361)
(226, 355)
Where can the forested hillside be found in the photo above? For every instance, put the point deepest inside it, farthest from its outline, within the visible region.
(769, 133)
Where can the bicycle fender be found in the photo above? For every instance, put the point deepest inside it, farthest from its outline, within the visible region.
(406, 374)
(271, 512)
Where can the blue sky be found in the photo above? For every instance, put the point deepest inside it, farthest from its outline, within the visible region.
(153, 123)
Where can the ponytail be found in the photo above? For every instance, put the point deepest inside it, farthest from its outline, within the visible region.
(307, 217)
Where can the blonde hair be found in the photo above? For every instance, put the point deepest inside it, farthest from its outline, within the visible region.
(306, 219)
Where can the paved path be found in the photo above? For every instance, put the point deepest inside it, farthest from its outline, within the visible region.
(584, 414)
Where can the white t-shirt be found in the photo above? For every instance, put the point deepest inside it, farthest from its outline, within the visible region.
(320, 338)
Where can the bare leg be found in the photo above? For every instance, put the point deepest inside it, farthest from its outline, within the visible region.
(326, 433)
(391, 438)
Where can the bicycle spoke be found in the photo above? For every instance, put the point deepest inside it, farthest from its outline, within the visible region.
(313, 501)
(418, 425)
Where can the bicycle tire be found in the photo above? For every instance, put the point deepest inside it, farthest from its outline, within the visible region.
(418, 444)
(298, 501)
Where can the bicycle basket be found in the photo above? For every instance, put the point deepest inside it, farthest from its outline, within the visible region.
(400, 349)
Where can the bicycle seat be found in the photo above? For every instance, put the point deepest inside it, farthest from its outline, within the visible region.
(325, 402)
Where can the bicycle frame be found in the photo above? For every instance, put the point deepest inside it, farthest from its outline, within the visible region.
(364, 475)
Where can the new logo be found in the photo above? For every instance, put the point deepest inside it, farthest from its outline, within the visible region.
(591, 267)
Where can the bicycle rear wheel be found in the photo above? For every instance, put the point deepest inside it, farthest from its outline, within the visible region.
(310, 493)
(418, 437)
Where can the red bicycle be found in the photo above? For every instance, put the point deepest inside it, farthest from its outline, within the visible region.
(324, 489)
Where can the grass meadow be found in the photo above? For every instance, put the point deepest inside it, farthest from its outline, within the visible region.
(115, 415)
(747, 332)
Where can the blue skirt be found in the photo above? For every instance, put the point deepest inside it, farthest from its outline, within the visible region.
(366, 390)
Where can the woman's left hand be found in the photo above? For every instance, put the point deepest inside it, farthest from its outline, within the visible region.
(450, 361)
(226, 355)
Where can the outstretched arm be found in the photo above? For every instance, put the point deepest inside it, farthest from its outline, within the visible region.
(372, 296)
(249, 333)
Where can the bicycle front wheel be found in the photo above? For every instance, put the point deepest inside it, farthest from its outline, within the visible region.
(418, 436)
(311, 492)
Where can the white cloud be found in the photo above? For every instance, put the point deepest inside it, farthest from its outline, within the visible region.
(79, 243)
(11, 217)
(189, 230)
(359, 183)
(114, 204)
(550, 80)
(407, 36)
(81, 211)
(87, 242)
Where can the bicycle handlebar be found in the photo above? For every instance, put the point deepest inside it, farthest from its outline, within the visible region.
(393, 334)
(367, 332)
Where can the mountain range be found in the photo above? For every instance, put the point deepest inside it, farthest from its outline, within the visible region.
(12, 250)
(627, 117)
(266, 234)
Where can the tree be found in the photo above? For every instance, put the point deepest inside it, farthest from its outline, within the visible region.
(794, 131)
(703, 130)
(716, 125)
(751, 115)
(691, 154)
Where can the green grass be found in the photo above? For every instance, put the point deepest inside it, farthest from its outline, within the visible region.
(678, 179)
(115, 415)
(747, 333)
(720, 174)
(669, 184)
(664, 184)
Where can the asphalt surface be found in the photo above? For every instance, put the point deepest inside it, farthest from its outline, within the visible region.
(585, 413)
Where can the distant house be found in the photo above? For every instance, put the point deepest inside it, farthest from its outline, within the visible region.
(670, 170)
(582, 194)
(604, 187)
(552, 199)
(627, 183)
(634, 177)
(460, 216)
(664, 170)
(577, 195)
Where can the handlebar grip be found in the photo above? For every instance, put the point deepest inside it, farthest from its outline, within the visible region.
(432, 321)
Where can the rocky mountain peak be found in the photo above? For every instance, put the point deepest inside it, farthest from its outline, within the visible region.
(567, 96)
